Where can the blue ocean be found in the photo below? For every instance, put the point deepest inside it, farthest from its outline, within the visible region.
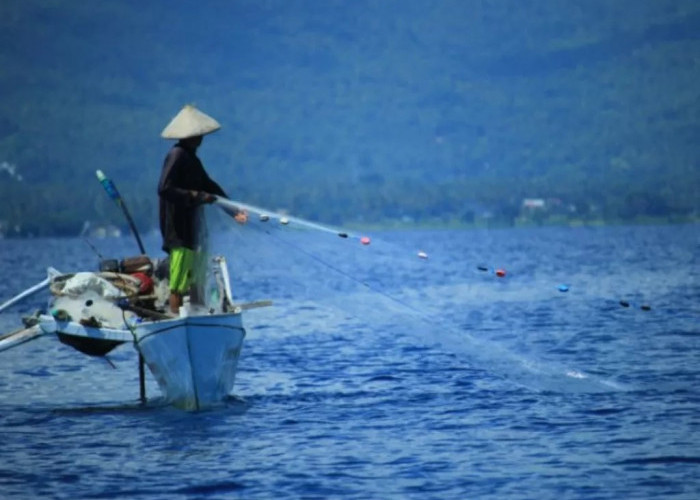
(546, 363)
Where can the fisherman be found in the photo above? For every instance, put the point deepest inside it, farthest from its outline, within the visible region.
(183, 188)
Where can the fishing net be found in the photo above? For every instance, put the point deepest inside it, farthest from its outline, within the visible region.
(327, 280)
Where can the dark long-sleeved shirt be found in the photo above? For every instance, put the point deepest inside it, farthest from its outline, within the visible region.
(179, 214)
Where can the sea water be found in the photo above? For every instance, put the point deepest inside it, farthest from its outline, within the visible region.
(379, 374)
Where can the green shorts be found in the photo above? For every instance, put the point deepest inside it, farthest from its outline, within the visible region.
(185, 267)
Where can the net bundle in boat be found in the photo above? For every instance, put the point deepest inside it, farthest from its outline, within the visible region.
(109, 285)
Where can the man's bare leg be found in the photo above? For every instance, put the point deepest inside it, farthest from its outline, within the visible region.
(175, 302)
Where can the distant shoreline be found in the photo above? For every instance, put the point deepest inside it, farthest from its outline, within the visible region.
(399, 225)
(420, 225)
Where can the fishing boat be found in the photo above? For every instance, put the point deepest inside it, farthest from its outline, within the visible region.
(193, 356)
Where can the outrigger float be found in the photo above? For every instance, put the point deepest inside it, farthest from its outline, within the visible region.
(193, 356)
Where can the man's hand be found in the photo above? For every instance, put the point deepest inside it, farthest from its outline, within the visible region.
(203, 197)
(207, 197)
(241, 217)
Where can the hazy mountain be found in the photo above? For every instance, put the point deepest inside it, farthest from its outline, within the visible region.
(354, 110)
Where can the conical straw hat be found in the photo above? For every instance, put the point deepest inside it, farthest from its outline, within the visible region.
(190, 122)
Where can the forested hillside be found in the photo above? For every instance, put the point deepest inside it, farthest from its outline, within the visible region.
(363, 111)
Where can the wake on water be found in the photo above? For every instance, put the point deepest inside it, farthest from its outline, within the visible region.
(312, 271)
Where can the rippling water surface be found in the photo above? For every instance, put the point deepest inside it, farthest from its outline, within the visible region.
(377, 374)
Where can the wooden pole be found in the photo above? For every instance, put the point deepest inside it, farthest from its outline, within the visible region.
(142, 380)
